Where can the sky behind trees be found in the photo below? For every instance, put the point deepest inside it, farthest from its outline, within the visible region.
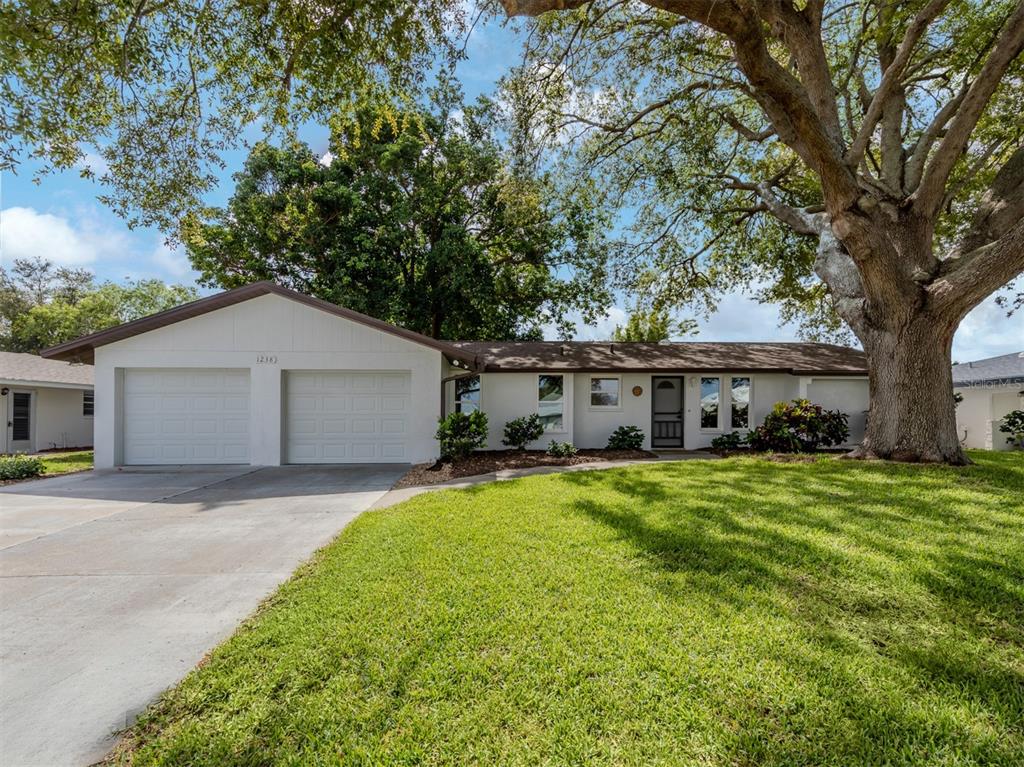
(60, 219)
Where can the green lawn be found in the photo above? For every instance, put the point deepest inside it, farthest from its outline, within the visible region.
(62, 463)
(734, 612)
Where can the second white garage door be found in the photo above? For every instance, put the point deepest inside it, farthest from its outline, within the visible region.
(175, 415)
(347, 417)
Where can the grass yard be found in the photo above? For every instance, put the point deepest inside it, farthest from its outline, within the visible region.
(62, 463)
(734, 612)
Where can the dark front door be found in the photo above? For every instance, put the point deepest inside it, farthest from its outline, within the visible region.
(667, 411)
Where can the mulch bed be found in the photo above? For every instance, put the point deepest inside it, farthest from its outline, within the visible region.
(489, 461)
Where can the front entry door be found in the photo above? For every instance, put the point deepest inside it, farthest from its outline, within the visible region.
(19, 422)
(667, 411)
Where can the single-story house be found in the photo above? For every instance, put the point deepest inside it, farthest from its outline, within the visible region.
(264, 375)
(46, 403)
(990, 388)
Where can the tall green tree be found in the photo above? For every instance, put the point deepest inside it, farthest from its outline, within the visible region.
(652, 325)
(416, 218)
(869, 154)
(42, 305)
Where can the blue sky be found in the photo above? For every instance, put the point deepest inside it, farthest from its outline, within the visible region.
(60, 218)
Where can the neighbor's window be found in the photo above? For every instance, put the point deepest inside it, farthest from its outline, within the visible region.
(549, 401)
(604, 392)
(740, 391)
(467, 394)
(87, 402)
(709, 398)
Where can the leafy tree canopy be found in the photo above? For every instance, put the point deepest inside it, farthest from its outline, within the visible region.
(415, 217)
(41, 305)
(652, 325)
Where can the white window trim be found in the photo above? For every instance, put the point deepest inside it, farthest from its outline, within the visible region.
(700, 409)
(603, 408)
(536, 388)
(750, 404)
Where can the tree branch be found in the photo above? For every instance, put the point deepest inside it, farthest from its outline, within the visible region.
(892, 77)
(965, 281)
(1001, 207)
(928, 197)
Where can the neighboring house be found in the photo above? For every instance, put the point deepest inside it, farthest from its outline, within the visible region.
(264, 375)
(991, 388)
(45, 403)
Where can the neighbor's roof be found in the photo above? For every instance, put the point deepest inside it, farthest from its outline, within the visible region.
(31, 368)
(1005, 369)
(82, 349)
(590, 356)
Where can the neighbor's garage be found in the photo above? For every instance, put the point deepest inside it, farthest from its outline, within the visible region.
(185, 416)
(347, 416)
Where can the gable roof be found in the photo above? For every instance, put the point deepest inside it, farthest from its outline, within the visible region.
(591, 356)
(31, 368)
(1004, 369)
(83, 349)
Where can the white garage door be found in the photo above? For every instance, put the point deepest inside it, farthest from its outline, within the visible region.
(186, 416)
(347, 417)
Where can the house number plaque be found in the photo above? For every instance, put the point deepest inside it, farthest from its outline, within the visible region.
(266, 359)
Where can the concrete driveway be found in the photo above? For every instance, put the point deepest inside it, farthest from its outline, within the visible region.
(113, 585)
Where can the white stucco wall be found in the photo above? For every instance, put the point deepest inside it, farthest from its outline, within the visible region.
(59, 419)
(848, 395)
(293, 336)
(504, 396)
(981, 412)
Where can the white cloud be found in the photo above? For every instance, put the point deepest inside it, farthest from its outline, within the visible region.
(27, 233)
(92, 161)
(740, 317)
(988, 332)
(172, 262)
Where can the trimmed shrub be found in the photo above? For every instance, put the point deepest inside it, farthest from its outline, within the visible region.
(799, 427)
(461, 433)
(561, 449)
(626, 438)
(20, 467)
(519, 432)
(1013, 424)
(731, 441)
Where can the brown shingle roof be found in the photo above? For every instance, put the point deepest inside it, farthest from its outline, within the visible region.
(795, 358)
(31, 368)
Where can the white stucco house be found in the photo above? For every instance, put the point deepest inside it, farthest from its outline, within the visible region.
(264, 375)
(990, 388)
(46, 404)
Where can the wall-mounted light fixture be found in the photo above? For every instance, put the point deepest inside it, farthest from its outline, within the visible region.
(4, 391)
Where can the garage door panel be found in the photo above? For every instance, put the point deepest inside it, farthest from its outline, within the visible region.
(186, 416)
(347, 417)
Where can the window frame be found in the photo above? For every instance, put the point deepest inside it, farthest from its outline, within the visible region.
(458, 400)
(750, 402)
(563, 429)
(88, 397)
(590, 393)
(717, 428)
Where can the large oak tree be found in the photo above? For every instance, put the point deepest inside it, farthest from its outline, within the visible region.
(888, 134)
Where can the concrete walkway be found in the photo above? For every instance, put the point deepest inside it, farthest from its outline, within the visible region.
(113, 585)
(405, 493)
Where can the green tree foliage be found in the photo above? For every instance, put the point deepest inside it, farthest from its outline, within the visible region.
(416, 218)
(652, 325)
(41, 305)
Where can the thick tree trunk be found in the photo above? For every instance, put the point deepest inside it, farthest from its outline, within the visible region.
(912, 415)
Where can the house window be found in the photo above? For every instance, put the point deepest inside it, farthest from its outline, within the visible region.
(604, 392)
(740, 391)
(87, 403)
(550, 401)
(467, 394)
(709, 399)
